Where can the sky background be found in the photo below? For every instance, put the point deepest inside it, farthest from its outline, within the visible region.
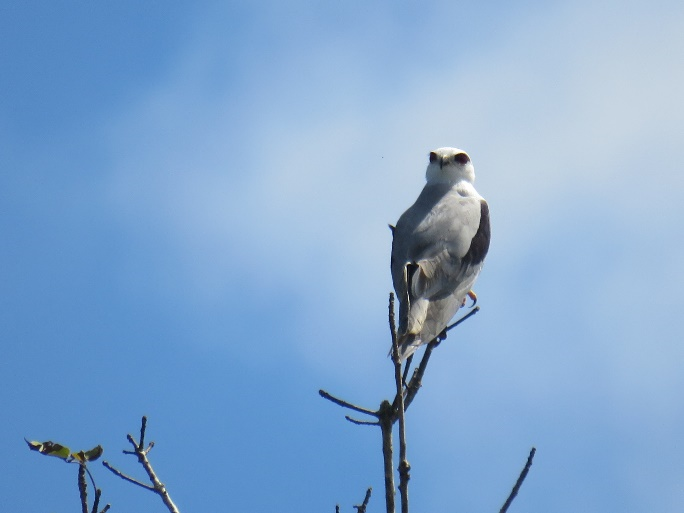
(194, 200)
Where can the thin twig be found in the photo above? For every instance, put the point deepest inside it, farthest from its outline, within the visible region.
(417, 378)
(362, 422)
(393, 329)
(127, 478)
(98, 493)
(519, 482)
(345, 404)
(407, 366)
(464, 318)
(91, 478)
(143, 427)
(362, 507)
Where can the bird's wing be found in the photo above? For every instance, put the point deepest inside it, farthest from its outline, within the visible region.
(438, 248)
(434, 237)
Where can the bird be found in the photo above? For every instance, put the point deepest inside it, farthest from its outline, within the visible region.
(438, 249)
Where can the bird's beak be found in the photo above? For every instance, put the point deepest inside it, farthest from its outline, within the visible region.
(441, 162)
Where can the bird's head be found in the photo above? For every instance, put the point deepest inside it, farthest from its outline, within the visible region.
(449, 165)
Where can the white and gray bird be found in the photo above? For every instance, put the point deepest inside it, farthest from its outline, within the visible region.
(439, 245)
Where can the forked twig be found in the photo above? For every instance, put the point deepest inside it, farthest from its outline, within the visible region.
(362, 507)
(387, 414)
(141, 453)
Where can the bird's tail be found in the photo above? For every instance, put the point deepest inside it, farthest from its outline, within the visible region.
(408, 343)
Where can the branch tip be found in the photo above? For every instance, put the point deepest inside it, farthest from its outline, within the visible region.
(519, 482)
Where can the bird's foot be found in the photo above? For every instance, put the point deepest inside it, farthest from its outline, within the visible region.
(473, 298)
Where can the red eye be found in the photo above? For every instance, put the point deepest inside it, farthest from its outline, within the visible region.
(461, 158)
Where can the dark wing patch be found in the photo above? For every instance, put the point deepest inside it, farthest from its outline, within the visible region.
(480, 243)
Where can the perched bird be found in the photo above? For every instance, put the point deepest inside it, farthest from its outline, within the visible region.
(438, 247)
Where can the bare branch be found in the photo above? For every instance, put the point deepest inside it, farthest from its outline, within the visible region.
(362, 422)
(345, 404)
(404, 466)
(519, 482)
(143, 427)
(82, 487)
(98, 493)
(362, 507)
(407, 366)
(417, 378)
(157, 486)
(388, 413)
(393, 328)
(127, 478)
(132, 441)
(386, 421)
(462, 319)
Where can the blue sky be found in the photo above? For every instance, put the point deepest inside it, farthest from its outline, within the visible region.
(194, 203)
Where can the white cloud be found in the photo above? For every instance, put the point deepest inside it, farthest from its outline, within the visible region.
(298, 199)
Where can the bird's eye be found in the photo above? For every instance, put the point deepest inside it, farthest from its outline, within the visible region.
(433, 157)
(461, 158)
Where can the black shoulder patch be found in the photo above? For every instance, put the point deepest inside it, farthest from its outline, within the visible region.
(480, 243)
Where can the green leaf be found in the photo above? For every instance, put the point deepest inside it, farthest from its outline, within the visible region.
(91, 455)
(50, 449)
(94, 453)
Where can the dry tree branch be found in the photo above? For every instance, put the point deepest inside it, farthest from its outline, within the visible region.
(386, 421)
(345, 404)
(83, 487)
(127, 478)
(361, 422)
(387, 414)
(404, 466)
(141, 453)
(362, 507)
(359, 508)
(96, 503)
(519, 482)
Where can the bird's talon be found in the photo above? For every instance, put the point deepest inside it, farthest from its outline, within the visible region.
(472, 296)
